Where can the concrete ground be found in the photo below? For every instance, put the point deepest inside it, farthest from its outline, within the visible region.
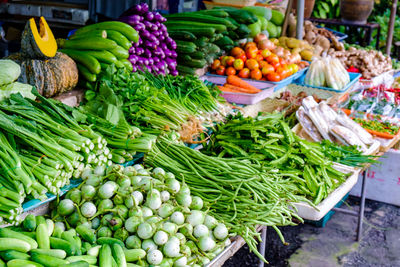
(335, 245)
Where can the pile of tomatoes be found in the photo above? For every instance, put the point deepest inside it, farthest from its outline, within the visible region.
(250, 62)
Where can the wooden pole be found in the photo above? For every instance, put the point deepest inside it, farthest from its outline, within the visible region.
(391, 27)
(287, 15)
(300, 19)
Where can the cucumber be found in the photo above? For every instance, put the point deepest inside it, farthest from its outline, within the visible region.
(105, 256)
(217, 27)
(119, 38)
(201, 42)
(183, 57)
(50, 226)
(185, 47)
(78, 244)
(128, 264)
(197, 55)
(86, 234)
(195, 63)
(182, 35)
(96, 33)
(40, 219)
(182, 69)
(30, 234)
(234, 22)
(23, 263)
(102, 56)
(85, 247)
(89, 259)
(121, 27)
(58, 253)
(7, 243)
(214, 13)
(69, 237)
(47, 260)
(224, 41)
(118, 255)
(58, 243)
(202, 18)
(233, 35)
(120, 52)
(132, 255)
(109, 241)
(4, 232)
(76, 264)
(58, 230)
(243, 31)
(29, 223)
(198, 31)
(240, 15)
(42, 236)
(127, 64)
(13, 254)
(90, 43)
(90, 62)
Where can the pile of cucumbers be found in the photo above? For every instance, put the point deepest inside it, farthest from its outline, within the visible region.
(96, 46)
(202, 35)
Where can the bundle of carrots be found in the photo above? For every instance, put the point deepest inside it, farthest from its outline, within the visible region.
(234, 84)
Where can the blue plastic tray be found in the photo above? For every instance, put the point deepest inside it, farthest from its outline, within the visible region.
(354, 77)
(340, 36)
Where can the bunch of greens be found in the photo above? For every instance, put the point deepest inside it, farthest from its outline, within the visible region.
(326, 9)
(242, 194)
(383, 21)
(268, 140)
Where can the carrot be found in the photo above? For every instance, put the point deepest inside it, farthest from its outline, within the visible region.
(240, 89)
(236, 81)
(226, 89)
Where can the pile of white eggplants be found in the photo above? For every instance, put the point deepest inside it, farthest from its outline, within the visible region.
(153, 214)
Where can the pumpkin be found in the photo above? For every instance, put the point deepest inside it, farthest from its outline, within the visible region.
(38, 44)
(50, 77)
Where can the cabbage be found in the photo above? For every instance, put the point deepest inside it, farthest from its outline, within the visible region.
(16, 87)
(9, 71)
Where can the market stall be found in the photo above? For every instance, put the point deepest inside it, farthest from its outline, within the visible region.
(196, 131)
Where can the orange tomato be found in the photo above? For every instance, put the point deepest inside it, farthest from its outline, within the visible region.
(216, 64)
(238, 64)
(242, 56)
(252, 64)
(236, 51)
(256, 74)
(221, 70)
(273, 77)
(250, 44)
(259, 57)
(282, 61)
(267, 69)
(230, 71)
(276, 65)
(265, 53)
(244, 73)
(272, 59)
(262, 64)
(251, 52)
(230, 60)
(224, 60)
(281, 71)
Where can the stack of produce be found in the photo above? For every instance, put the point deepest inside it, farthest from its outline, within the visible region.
(370, 63)
(145, 217)
(242, 194)
(295, 46)
(51, 72)
(10, 71)
(259, 60)
(269, 21)
(321, 122)
(42, 148)
(96, 46)
(327, 72)
(201, 35)
(155, 49)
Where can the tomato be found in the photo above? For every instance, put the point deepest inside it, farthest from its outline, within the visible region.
(267, 69)
(236, 51)
(273, 77)
(281, 71)
(282, 61)
(272, 59)
(238, 64)
(262, 64)
(265, 53)
(276, 65)
(256, 74)
(252, 64)
(216, 64)
(221, 70)
(242, 56)
(251, 52)
(230, 71)
(223, 60)
(293, 68)
(250, 44)
(230, 60)
(244, 73)
(259, 58)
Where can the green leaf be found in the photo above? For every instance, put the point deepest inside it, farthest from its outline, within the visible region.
(112, 114)
(322, 13)
(325, 6)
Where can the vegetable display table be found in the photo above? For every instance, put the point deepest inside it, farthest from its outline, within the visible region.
(368, 27)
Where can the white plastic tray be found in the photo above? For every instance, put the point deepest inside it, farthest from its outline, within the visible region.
(307, 212)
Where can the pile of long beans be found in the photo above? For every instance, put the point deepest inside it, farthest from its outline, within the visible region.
(241, 194)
